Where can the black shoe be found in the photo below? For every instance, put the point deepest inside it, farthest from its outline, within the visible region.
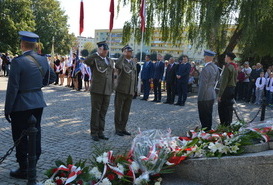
(166, 102)
(95, 138)
(103, 137)
(119, 133)
(154, 101)
(158, 101)
(177, 104)
(18, 174)
(143, 99)
(126, 133)
(182, 104)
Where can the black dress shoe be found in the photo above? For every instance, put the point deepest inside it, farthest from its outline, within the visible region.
(18, 174)
(95, 138)
(103, 137)
(120, 133)
(177, 104)
(158, 101)
(143, 99)
(126, 133)
(182, 104)
(154, 101)
(166, 102)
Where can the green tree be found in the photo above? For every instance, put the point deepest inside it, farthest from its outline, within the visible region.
(15, 16)
(220, 25)
(51, 21)
(89, 46)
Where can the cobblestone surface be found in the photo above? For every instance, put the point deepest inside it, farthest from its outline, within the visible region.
(65, 127)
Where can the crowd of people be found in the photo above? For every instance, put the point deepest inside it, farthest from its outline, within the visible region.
(254, 83)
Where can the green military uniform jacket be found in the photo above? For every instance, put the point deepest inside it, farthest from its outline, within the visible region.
(102, 74)
(228, 78)
(127, 76)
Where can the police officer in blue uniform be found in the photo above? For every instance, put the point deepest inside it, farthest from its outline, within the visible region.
(24, 97)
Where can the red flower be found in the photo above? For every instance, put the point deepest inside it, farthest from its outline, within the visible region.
(80, 182)
(185, 138)
(129, 173)
(177, 159)
(59, 182)
(62, 175)
(111, 176)
(54, 170)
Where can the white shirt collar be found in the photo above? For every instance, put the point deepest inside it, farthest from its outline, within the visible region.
(208, 63)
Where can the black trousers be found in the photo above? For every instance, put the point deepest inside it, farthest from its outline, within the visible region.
(205, 109)
(157, 89)
(170, 92)
(225, 106)
(182, 90)
(19, 122)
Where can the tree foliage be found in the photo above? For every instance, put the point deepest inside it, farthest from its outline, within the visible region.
(44, 17)
(220, 25)
(14, 17)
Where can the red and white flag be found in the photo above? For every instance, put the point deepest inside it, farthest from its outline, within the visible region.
(81, 17)
(112, 14)
(142, 14)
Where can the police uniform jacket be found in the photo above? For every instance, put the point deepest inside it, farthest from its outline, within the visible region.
(25, 83)
(127, 76)
(102, 74)
(207, 80)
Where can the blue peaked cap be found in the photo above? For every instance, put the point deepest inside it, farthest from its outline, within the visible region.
(28, 36)
(209, 53)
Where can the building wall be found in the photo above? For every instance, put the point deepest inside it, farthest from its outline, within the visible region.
(156, 45)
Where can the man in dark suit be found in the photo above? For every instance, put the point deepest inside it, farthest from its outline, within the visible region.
(171, 81)
(182, 75)
(101, 89)
(206, 92)
(158, 76)
(147, 76)
(24, 98)
(138, 66)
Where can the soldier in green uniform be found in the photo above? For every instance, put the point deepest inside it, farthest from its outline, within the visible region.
(125, 90)
(101, 89)
(227, 90)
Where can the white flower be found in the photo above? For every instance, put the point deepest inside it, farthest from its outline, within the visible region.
(135, 166)
(49, 182)
(105, 158)
(142, 179)
(105, 181)
(95, 171)
(121, 168)
(99, 159)
(216, 146)
(233, 149)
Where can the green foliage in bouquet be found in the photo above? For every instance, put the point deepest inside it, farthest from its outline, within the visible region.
(57, 174)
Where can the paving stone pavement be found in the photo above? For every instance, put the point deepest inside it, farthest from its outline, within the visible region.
(65, 127)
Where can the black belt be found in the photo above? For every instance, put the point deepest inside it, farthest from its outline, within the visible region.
(27, 91)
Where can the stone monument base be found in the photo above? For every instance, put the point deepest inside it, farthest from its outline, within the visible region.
(245, 169)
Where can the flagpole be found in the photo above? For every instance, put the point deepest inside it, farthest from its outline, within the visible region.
(110, 45)
(140, 60)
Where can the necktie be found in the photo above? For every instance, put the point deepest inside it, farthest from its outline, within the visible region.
(260, 81)
(268, 82)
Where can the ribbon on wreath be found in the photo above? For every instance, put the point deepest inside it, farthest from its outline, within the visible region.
(266, 137)
(113, 168)
(74, 172)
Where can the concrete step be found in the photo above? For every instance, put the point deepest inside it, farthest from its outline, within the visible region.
(246, 169)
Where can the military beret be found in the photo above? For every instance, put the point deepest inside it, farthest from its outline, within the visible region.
(127, 47)
(103, 44)
(28, 36)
